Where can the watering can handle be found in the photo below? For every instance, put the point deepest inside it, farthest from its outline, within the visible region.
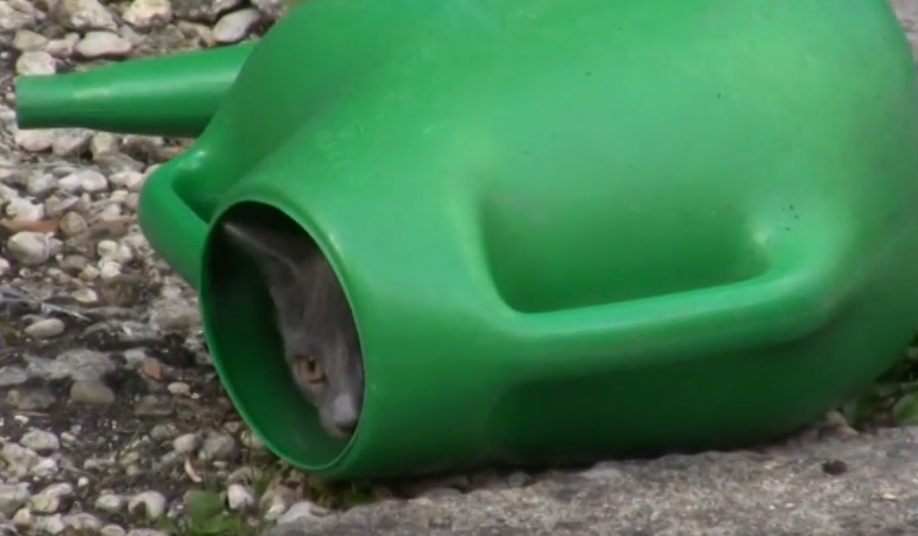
(171, 225)
(778, 306)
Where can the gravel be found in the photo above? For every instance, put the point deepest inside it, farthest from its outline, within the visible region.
(112, 420)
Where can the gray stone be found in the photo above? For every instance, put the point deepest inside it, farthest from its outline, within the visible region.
(786, 489)
(12, 375)
(218, 446)
(91, 392)
(12, 496)
(79, 364)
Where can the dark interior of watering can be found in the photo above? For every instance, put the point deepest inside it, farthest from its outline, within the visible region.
(271, 366)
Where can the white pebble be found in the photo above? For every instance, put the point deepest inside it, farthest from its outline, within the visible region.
(244, 474)
(7, 193)
(55, 206)
(63, 48)
(148, 13)
(73, 224)
(20, 459)
(251, 440)
(36, 62)
(234, 26)
(147, 532)
(45, 328)
(110, 213)
(85, 295)
(45, 468)
(109, 502)
(23, 518)
(239, 498)
(102, 45)
(40, 441)
(104, 143)
(186, 443)
(49, 500)
(217, 446)
(179, 389)
(132, 180)
(111, 530)
(89, 273)
(87, 15)
(87, 180)
(135, 240)
(30, 248)
(70, 141)
(276, 501)
(109, 269)
(49, 524)
(131, 201)
(106, 248)
(151, 504)
(109, 249)
(82, 522)
(40, 183)
(23, 210)
(34, 140)
(29, 41)
(12, 496)
(163, 431)
(300, 510)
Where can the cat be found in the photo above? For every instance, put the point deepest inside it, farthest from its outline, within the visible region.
(314, 320)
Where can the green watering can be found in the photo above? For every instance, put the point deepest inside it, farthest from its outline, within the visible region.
(567, 230)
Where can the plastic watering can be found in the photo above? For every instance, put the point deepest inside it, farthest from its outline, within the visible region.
(567, 230)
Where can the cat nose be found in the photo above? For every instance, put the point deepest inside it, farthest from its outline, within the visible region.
(345, 413)
(348, 427)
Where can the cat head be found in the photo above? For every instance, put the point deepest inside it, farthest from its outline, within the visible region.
(313, 317)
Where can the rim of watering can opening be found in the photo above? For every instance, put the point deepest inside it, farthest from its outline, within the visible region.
(266, 398)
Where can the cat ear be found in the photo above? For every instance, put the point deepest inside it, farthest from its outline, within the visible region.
(277, 251)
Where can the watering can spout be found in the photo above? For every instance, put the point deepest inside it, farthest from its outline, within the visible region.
(172, 96)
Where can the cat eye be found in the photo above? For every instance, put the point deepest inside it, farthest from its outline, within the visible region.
(311, 369)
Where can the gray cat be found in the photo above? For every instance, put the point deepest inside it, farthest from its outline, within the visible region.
(313, 317)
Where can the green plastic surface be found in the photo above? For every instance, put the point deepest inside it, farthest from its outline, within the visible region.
(568, 230)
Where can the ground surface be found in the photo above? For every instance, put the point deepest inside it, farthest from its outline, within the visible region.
(112, 422)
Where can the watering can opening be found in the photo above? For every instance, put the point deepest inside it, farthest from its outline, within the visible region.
(245, 342)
